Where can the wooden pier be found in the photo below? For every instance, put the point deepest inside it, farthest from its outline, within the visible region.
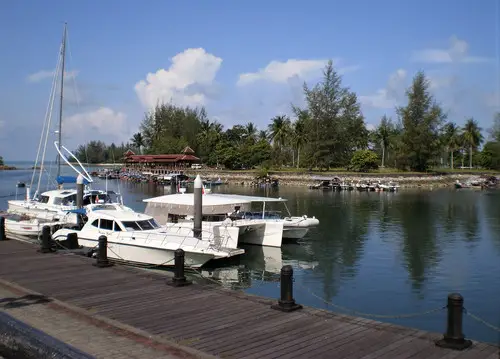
(210, 321)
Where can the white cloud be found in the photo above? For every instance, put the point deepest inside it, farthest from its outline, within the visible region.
(388, 97)
(277, 71)
(370, 127)
(282, 72)
(185, 82)
(45, 74)
(101, 124)
(458, 51)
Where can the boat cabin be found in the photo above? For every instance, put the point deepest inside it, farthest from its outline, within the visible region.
(118, 221)
(68, 197)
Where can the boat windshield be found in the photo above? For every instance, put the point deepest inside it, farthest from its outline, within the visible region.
(143, 225)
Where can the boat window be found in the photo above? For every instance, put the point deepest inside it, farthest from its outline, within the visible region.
(44, 199)
(145, 225)
(70, 200)
(154, 223)
(96, 223)
(58, 200)
(131, 226)
(86, 200)
(106, 224)
(116, 227)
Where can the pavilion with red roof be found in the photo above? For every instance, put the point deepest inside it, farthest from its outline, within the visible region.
(168, 162)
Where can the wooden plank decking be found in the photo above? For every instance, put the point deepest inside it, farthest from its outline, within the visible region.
(220, 322)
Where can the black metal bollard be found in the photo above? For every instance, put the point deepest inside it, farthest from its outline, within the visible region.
(179, 279)
(454, 337)
(72, 240)
(2, 229)
(102, 253)
(286, 302)
(45, 247)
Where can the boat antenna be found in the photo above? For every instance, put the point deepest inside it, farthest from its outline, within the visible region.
(59, 135)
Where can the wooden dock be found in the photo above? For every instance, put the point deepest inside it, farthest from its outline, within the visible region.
(209, 319)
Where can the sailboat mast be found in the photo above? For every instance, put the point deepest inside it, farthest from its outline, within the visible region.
(59, 137)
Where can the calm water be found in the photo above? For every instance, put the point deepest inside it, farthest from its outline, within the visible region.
(380, 253)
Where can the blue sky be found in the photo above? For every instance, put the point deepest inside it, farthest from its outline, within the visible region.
(244, 61)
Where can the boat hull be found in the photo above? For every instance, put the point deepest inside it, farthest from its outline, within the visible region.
(295, 232)
(262, 234)
(146, 255)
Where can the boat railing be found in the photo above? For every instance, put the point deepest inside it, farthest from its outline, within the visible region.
(214, 243)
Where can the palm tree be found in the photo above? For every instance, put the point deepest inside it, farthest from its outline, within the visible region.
(299, 132)
(279, 130)
(263, 135)
(383, 134)
(138, 141)
(452, 139)
(472, 136)
(251, 130)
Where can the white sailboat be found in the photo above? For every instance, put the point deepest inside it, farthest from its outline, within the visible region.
(58, 201)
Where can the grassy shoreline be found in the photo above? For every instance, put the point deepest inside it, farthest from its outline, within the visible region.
(305, 178)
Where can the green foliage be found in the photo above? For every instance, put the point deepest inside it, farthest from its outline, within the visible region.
(494, 131)
(99, 152)
(422, 119)
(490, 156)
(364, 161)
(335, 126)
(329, 132)
(1, 161)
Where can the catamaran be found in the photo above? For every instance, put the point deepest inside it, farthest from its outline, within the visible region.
(231, 213)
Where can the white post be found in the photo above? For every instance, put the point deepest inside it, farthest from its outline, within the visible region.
(28, 194)
(263, 209)
(198, 206)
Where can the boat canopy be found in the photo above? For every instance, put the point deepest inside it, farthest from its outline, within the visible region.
(183, 204)
(78, 211)
(69, 179)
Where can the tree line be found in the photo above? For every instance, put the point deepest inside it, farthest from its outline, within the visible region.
(328, 132)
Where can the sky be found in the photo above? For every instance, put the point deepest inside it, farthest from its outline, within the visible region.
(243, 60)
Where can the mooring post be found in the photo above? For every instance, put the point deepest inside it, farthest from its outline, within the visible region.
(72, 240)
(102, 253)
(286, 303)
(79, 197)
(45, 247)
(2, 229)
(173, 185)
(198, 206)
(179, 279)
(454, 337)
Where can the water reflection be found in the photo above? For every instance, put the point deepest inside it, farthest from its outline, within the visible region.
(376, 245)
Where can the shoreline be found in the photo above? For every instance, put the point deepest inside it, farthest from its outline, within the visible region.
(404, 180)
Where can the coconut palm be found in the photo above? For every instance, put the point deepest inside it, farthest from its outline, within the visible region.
(472, 136)
(251, 130)
(452, 139)
(138, 141)
(279, 129)
(383, 134)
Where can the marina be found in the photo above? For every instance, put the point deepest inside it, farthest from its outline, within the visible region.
(226, 224)
(204, 316)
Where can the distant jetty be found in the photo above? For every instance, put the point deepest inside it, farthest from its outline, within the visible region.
(7, 168)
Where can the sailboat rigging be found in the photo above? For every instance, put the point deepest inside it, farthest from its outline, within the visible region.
(59, 199)
(59, 135)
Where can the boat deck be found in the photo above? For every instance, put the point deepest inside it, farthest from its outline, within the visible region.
(212, 320)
